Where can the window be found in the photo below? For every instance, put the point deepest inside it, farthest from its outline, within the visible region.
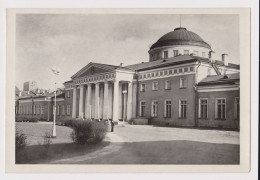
(155, 86)
(196, 53)
(68, 109)
(165, 54)
(183, 83)
(154, 111)
(142, 108)
(68, 94)
(180, 70)
(175, 53)
(142, 87)
(236, 108)
(191, 69)
(39, 109)
(42, 109)
(63, 110)
(185, 69)
(167, 84)
(175, 71)
(170, 71)
(186, 51)
(168, 108)
(203, 108)
(203, 54)
(182, 109)
(220, 109)
(161, 73)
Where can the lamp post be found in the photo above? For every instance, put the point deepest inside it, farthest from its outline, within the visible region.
(124, 95)
(55, 71)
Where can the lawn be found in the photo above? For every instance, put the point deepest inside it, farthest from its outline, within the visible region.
(60, 147)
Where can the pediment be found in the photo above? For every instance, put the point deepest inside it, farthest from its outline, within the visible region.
(92, 69)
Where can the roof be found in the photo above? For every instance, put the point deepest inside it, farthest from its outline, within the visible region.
(219, 79)
(161, 63)
(180, 36)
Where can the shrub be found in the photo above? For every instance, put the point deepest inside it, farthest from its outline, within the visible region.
(25, 119)
(20, 140)
(88, 132)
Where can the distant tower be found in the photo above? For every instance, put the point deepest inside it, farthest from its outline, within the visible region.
(30, 86)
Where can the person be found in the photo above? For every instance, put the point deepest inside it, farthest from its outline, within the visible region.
(112, 125)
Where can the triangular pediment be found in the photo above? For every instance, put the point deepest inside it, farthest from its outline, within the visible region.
(92, 69)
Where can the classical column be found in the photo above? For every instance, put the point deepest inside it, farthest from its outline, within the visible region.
(88, 102)
(105, 108)
(110, 101)
(120, 106)
(97, 101)
(115, 101)
(134, 100)
(101, 101)
(81, 101)
(74, 102)
(129, 101)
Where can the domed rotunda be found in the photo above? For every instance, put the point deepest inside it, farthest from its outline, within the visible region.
(179, 42)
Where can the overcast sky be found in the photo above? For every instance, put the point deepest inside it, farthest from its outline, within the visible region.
(72, 41)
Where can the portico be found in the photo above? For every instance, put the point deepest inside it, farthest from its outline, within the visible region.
(99, 96)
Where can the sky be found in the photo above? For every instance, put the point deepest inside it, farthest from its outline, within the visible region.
(71, 41)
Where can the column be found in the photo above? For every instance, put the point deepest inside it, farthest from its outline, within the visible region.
(115, 101)
(81, 100)
(105, 108)
(97, 101)
(134, 94)
(110, 101)
(101, 101)
(120, 106)
(88, 102)
(129, 101)
(74, 102)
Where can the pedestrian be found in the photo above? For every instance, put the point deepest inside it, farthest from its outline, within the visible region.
(112, 125)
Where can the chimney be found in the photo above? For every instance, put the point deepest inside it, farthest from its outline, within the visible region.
(121, 64)
(225, 59)
(20, 93)
(211, 56)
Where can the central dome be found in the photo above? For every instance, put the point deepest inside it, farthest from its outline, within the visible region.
(180, 36)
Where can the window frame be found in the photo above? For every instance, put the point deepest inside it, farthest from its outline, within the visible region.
(185, 52)
(156, 109)
(165, 55)
(141, 87)
(174, 53)
(216, 108)
(235, 108)
(199, 109)
(165, 84)
(167, 115)
(142, 113)
(183, 85)
(153, 87)
(180, 109)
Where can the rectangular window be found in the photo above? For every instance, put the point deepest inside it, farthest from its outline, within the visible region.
(168, 108)
(142, 108)
(183, 83)
(155, 86)
(220, 109)
(191, 69)
(165, 54)
(237, 108)
(58, 109)
(39, 109)
(186, 69)
(154, 111)
(170, 71)
(142, 87)
(42, 109)
(203, 108)
(186, 51)
(167, 84)
(175, 53)
(182, 109)
(180, 70)
(68, 109)
(175, 71)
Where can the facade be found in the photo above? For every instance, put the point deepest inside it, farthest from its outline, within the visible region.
(183, 84)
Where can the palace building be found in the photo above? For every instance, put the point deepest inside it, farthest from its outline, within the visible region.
(183, 84)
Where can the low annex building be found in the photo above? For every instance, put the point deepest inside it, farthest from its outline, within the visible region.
(183, 84)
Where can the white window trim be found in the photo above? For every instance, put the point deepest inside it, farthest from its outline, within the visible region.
(152, 115)
(140, 109)
(180, 107)
(153, 85)
(199, 109)
(183, 83)
(216, 107)
(141, 87)
(165, 107)
(166, 84)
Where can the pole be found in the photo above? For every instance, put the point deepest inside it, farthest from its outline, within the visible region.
(54, 120)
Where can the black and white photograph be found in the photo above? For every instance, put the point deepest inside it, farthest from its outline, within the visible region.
(131, 88)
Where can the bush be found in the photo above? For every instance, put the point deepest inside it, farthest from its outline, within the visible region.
(65, 122)
(20, 140)
(25, 119)
(88, 132)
